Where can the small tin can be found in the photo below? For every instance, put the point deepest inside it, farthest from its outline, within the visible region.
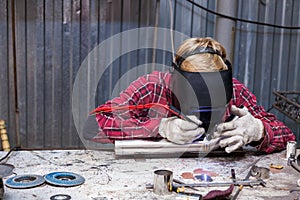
(291, 148)
(163, 180)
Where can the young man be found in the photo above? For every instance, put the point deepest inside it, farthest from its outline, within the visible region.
(201, 79)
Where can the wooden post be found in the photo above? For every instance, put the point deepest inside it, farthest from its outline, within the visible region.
(4, 137)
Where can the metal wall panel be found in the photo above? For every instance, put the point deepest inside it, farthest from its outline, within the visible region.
(4, 70)
(4, 98)
(267, 58)
(53, 38)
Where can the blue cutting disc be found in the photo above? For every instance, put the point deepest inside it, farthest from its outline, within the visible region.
(65, 179)
(25, 181)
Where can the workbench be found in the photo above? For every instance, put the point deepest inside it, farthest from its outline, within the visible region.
(108, 177)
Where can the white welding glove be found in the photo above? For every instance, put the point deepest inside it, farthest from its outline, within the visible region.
(239, 132)
(180, 131)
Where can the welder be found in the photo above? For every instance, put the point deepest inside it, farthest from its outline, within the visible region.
(199, 87)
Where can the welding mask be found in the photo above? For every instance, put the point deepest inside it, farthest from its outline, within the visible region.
(203, 94)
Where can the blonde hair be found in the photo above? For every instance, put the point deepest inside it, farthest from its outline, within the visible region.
(204, 62)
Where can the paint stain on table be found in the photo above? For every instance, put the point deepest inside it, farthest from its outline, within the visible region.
(191, 175)
(187, 175)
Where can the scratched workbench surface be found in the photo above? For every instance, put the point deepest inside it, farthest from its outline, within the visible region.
(109, 178)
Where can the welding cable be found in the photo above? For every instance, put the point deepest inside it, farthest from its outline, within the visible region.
(129, 107)
(170, 108)
(242, 20)
(5, 142)
(269, 109)
(8, 153)
(293, 162)
(295, 166)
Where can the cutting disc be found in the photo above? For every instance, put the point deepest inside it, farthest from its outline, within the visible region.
(25, 181)
(65, 179)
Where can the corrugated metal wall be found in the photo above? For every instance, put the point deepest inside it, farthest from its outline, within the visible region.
(54, 37)
(52, 40)
(266, 58)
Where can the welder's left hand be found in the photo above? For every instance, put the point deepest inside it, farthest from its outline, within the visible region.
(239, 132)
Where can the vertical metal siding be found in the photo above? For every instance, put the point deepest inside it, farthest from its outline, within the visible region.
(54, 37)
(267, 58)
(3, 62)
(4, 70)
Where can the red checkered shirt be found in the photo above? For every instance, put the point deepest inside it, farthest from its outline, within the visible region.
(154, 88)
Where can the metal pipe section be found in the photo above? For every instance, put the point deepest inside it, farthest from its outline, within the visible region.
(225, 28)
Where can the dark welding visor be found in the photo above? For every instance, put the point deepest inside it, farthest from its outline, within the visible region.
(204, 94)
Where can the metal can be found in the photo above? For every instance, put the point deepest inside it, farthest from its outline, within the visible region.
(163, 180)
(291, 148)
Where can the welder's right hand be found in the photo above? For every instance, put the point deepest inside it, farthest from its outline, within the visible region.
(180, 131)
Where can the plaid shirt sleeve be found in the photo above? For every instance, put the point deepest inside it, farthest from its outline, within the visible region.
(137, 123)
(276, 133)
